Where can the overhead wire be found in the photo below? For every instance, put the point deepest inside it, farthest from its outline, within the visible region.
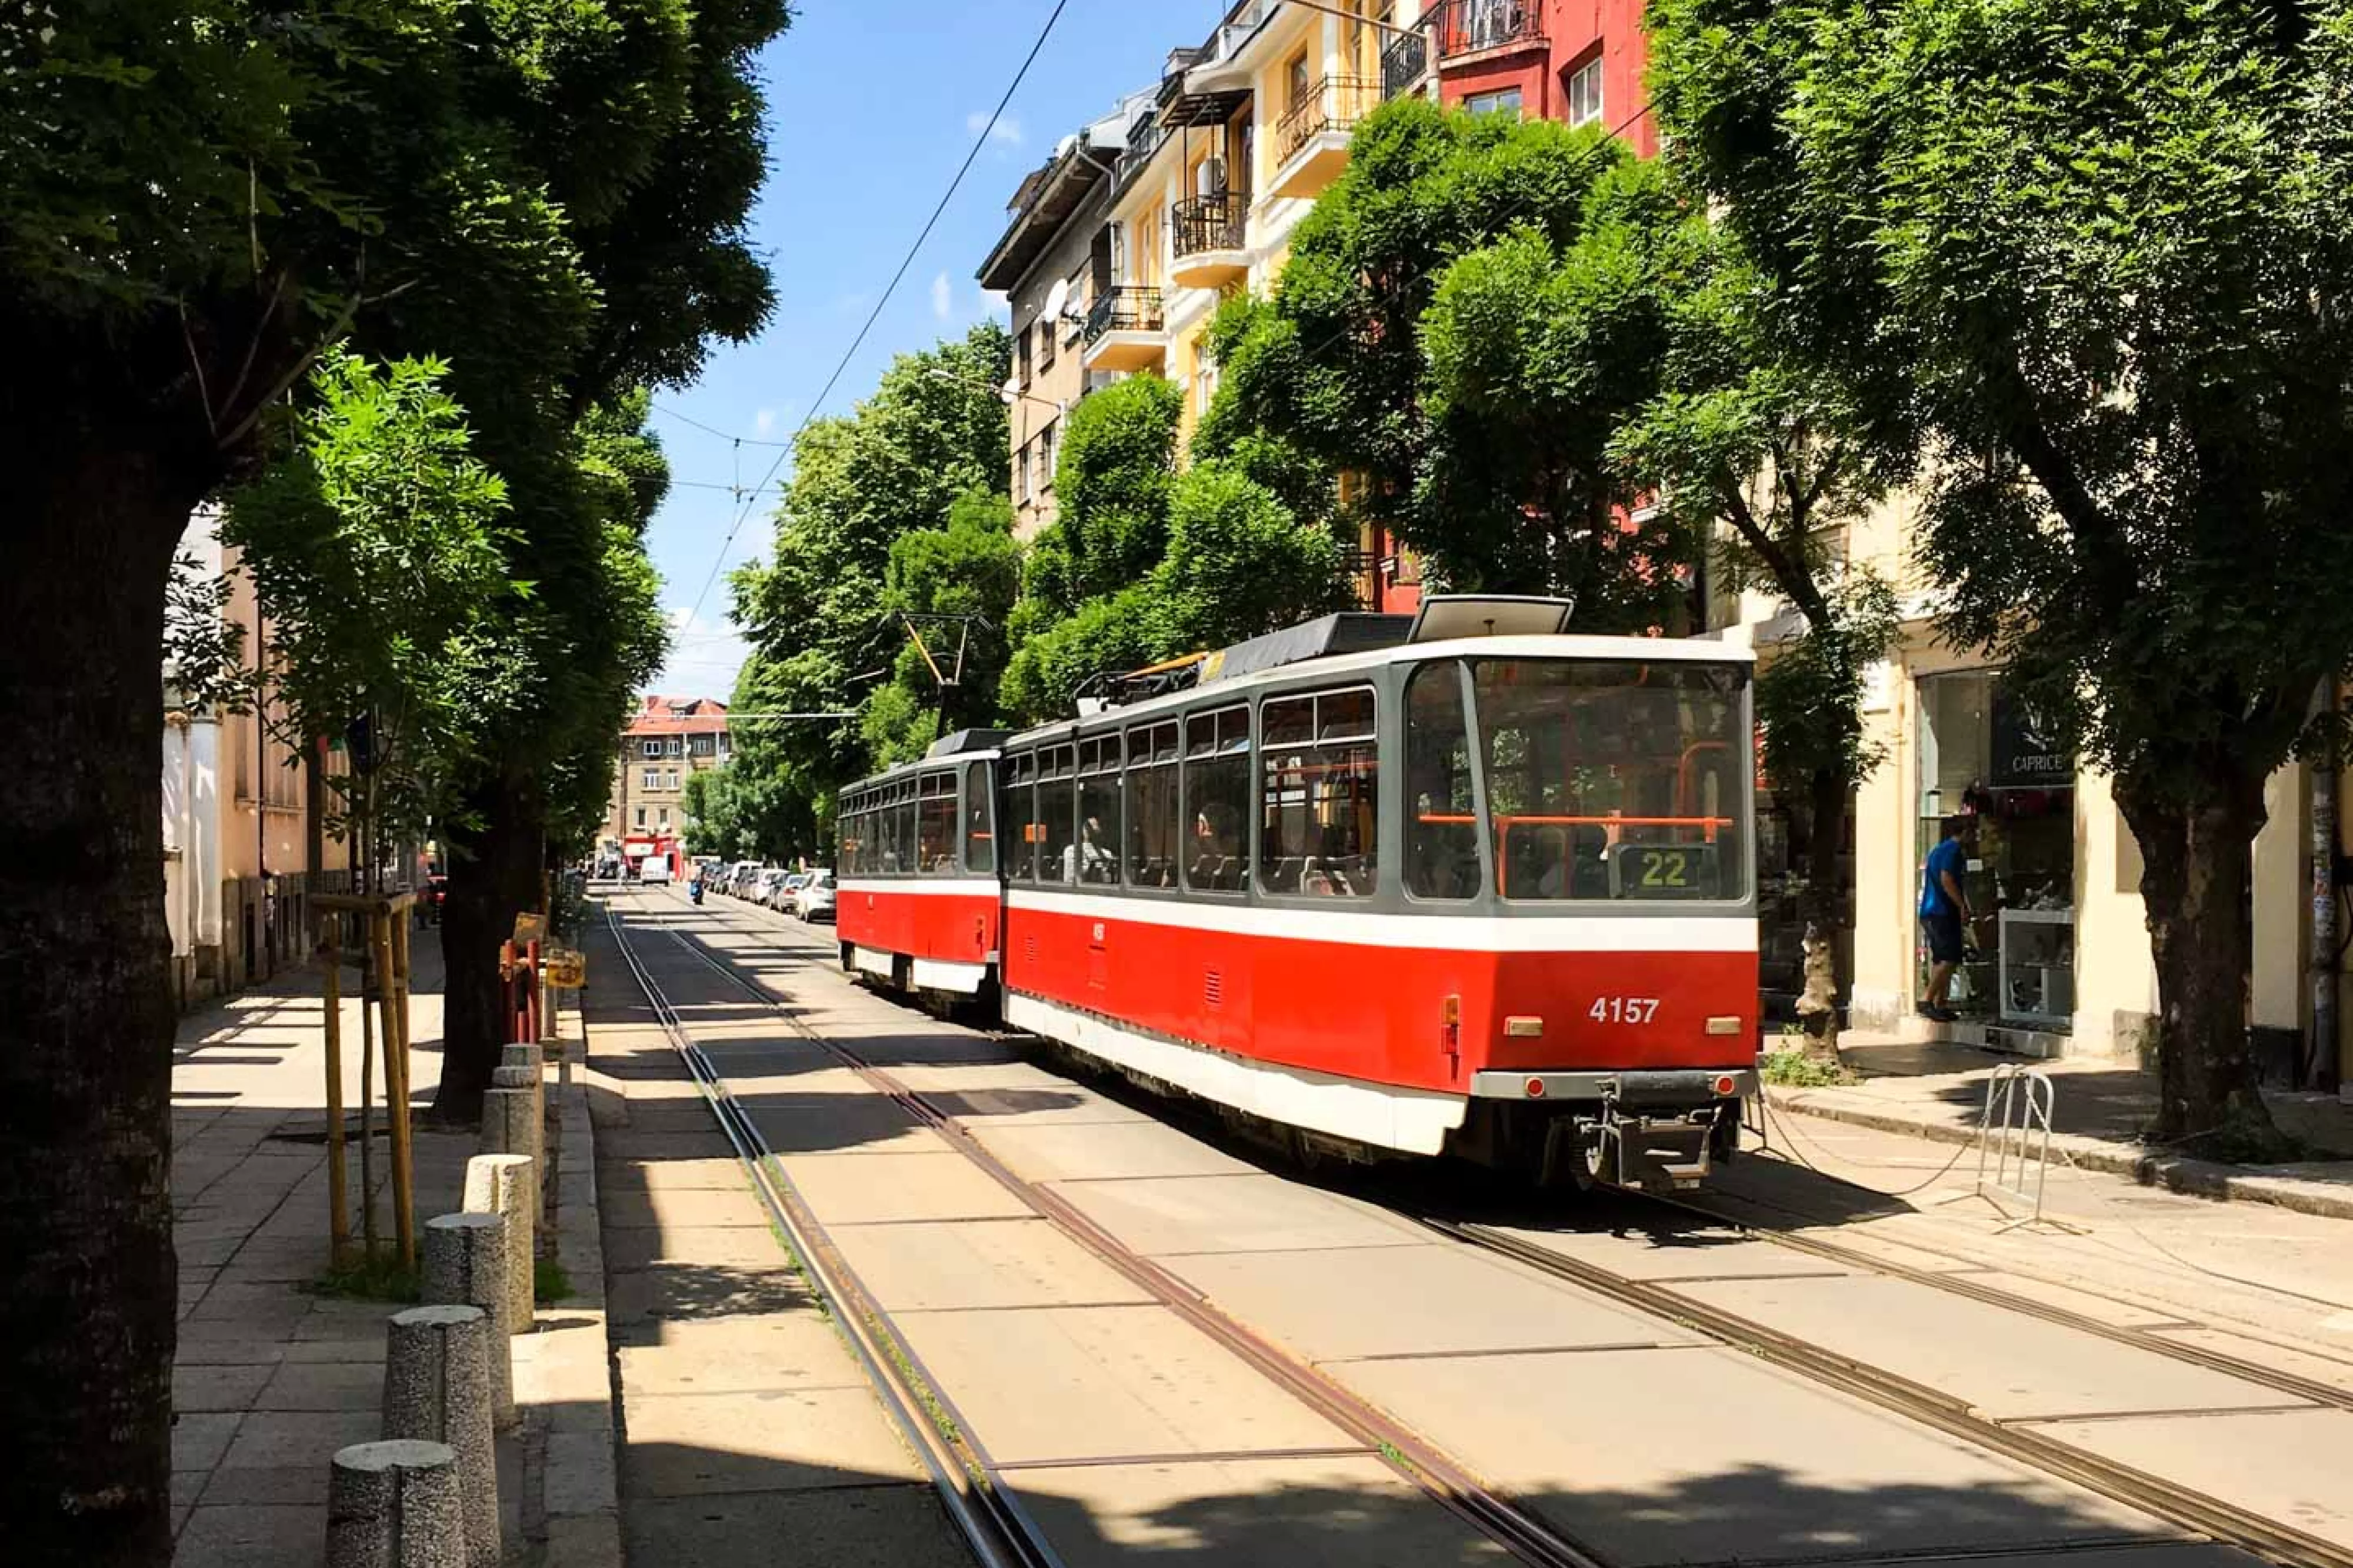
(980, 143)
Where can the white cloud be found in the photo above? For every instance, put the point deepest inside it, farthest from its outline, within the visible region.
(942, 296)
(1008, 129)
(763, 421)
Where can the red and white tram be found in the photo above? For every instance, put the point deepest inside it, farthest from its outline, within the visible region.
(1453, 883)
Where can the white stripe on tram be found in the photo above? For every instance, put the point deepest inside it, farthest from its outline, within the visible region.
(1474, 933)
(933, 886)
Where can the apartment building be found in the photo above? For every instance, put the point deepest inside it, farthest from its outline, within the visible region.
(1042, 264)
(1576, 61)
(668, 740)
(245, 816)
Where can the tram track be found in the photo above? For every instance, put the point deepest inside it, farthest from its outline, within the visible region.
(2186, 1508)
(972, 1484)
(2195, 1513)
(1000, 1533)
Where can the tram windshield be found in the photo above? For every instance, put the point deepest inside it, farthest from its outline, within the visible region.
(1604, 779)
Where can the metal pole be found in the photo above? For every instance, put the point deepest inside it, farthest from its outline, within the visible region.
(396, 1088)
(2320, 1065)
(339, 1213)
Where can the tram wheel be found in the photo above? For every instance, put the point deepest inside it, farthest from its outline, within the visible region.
(1597, 1165)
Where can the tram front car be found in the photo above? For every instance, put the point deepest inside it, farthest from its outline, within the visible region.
(1587, 814)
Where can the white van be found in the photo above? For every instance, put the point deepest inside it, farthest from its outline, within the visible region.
(654, 868)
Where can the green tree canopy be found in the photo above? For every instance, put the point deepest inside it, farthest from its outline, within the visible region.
(2098, 251)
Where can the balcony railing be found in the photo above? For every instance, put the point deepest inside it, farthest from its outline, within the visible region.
(1144, 139)
(1126, 309)
(1335, 103)
(1467, 27)
(1199, 223)
(1405, 63)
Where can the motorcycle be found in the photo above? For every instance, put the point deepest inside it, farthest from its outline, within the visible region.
(694, 891)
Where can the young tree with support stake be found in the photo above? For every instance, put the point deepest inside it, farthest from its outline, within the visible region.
(2101, 252)
(196, 197)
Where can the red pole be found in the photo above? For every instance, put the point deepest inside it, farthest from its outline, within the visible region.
(531, 996)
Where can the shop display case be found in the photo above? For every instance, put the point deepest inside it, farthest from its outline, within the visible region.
(2037, 956)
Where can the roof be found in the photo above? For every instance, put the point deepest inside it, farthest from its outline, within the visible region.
(659, 715)
(1053, 194)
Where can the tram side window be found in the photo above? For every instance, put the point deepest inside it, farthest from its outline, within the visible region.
(936, 825)
(1441, 830)
(1058, 790)
(1218, 797)
(902, 831)
(1319, 806)
(1095, 855)
(1154, 821)
(850, 832)
(1020, 816)
(979, 833)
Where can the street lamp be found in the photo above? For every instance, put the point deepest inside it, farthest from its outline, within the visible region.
(1008, 395)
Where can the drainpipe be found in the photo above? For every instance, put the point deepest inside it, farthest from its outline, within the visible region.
(2321, 1064)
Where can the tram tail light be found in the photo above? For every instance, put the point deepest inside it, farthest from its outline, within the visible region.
(1450, 1026)
(1724, 1084)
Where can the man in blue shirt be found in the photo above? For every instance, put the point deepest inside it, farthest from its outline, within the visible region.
(1944, 912)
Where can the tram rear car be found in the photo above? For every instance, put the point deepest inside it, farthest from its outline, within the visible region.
(918, 902)
(1396, 891)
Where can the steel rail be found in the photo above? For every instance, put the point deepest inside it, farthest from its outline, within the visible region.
(2184, 1507)
(1436, 1474)
(2223, 1362)
(994, 1526)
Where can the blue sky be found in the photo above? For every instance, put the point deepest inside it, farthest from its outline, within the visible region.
(871, 105)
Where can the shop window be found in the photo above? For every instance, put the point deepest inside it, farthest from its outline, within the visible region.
(1984, 756)
(1319, 795)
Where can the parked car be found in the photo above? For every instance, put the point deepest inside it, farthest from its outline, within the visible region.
(739, 876)
(791, 885)
(747, 877)
(813, 900)
(763, 891)
(654, 868)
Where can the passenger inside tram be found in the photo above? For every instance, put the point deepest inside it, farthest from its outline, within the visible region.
(1216, 849)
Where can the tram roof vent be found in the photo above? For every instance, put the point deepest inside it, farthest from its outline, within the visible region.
(964, 740)
(1350, 631)
(1445, 616)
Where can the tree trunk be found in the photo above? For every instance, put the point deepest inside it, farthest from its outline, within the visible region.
(1824, 908)
(2194, 884)
(494, 875)
(85, 1020)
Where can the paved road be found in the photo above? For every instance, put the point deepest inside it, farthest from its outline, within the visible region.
(1129, 1432)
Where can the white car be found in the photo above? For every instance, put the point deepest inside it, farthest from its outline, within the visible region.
(654, 868)
(763, 891)
(813, 900)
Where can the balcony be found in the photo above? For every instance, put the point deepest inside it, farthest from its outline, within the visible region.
(1480, 26)
(1126, 331)
(1405, 65)
(1207, 235)
(1311, 143)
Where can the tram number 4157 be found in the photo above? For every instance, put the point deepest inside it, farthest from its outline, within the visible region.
(1623, 1009)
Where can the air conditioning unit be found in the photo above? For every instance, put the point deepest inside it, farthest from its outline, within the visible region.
(1212, 177)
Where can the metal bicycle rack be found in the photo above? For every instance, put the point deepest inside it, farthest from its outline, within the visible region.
(2014, 1144)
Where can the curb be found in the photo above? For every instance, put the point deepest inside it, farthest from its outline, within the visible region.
(2280, 1187)
(571, 1384)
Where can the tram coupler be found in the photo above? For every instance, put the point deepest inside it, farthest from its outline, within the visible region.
(1651, 1153)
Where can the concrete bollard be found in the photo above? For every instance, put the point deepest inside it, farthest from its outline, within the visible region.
(510, 1119)
(395, 1505)
(508, 1186)
(436, 1389)
(466, 1266)
(530, 1057)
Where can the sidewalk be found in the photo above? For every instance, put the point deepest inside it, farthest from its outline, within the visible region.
(272, 1377)
(1938, 1091)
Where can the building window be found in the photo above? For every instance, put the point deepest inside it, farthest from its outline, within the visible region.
(722, 742)
(665, 816)
(1046, 343)
(1021, 491)
(671, 781)
(1506, 101)
(701, 746)
(641, 817)
(1295, 81)
(677, 745)
(650, 748)
(1585, 93)
(651, 780)
(1046, 457)
(1022, 358)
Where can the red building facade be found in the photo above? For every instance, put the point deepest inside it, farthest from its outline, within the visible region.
(1572, 60)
